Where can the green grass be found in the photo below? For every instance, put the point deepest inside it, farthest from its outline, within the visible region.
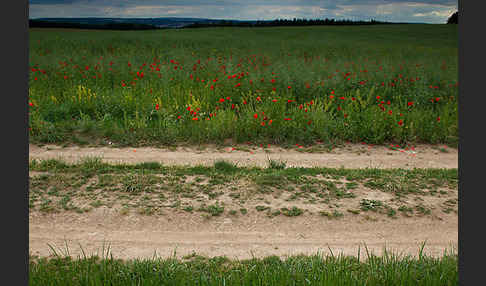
(318, 269)
(76, 87)
(151, 188)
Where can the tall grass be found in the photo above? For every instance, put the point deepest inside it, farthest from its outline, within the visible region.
(89, 84)
(369, 269)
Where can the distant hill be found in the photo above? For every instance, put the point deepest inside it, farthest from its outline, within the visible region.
(174, 22)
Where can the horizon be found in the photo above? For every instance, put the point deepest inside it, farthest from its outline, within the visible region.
(393, 11)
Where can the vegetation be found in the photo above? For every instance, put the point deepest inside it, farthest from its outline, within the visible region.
(214, 191)
(369, 269)
(279, 85)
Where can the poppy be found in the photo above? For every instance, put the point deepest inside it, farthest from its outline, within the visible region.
(410, 103)
(157, 106)
(255, 115)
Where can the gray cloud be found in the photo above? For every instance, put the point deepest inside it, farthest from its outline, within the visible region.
(428, 11)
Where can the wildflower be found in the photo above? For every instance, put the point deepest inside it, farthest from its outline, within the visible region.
(289, 101)
(331, 96)
(270, 122)
(157, 106)
(195, 118)
(233, 106)
(410, 103)
(353, 99)
(342, 98)
(258, 98)
(263, 123)
(378, 97)
(179, 117)
(255, 115)
(400, 122)
(390, 112)
(438, 118)
(289, 87)
(437, 98)
(244, 102)
(221, 100)
(31, 104)
(287, 119)
(274, 100)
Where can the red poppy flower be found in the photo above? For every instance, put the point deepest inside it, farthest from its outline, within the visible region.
(157, 106)
(289, 101)
(331, 96)
(195, 118)
(221, 100)
(438, 118)
(289, 87)
(233, 106)
(179, 117)
(255, 115)
(410, 103)
(270, 122)
(287, 119)
(400, 122)
(244, 102)
(353, 99)
(274, 100)
(31, 104)
(263, 123)
(378, 97)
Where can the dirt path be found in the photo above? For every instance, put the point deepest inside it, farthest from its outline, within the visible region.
(139, 236)
(349, 156)
(134, 236)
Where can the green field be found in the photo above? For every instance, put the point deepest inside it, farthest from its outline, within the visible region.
(367, 269)
(377, 84)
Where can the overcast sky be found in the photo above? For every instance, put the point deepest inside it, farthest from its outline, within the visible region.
(423, 11)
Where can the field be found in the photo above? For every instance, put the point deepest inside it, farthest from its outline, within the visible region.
(237, 154)
(375, 84)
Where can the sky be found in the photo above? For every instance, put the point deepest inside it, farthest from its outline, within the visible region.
(418, 11)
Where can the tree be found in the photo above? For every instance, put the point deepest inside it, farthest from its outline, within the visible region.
(453, 19)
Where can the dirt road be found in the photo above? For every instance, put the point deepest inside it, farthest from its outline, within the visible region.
(139, 236)
(134, 236)
(349, 156)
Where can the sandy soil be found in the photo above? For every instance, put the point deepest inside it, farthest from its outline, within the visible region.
(349, 156)
(135, 236)
(138, 236)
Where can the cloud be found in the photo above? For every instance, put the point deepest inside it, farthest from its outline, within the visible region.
(386, 10)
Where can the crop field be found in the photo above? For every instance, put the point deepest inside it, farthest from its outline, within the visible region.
(375, 84)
